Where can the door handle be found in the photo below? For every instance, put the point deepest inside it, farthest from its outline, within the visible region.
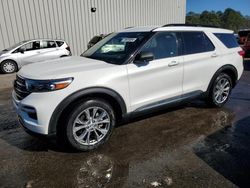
(173, 63)
(214, 55)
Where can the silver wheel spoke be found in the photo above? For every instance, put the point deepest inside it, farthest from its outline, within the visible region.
(94, 112)
(97, 135)
(103, 121)
(81, 137)
(75, 129)
(78, 121)
(226, 89)
(103, 131)
(87, 114)
(88, 137)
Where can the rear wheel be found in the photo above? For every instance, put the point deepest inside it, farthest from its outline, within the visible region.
(8, 67)
(89, 124)
(220, 90)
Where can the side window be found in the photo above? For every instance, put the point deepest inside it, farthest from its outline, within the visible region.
(196, 42)
(162, 45)
(59, 43)
(31, 46)
(48, 44)
(227, 39)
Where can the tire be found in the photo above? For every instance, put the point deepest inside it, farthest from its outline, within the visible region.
(220, 91)
(8, 67)
(83, 124)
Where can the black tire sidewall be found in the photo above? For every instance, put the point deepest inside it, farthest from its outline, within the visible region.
(10, 61)
(76, 111)
(212, 98)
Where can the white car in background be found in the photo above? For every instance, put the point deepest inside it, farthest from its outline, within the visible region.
(31, 51)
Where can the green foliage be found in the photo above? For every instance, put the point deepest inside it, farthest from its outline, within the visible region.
(229, 19)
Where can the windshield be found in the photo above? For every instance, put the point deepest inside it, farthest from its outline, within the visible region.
(14, 46)
(117, 47)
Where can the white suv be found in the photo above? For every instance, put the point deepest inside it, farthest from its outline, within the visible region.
(81, 99)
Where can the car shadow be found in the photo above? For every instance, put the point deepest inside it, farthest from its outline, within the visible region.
(227, 151)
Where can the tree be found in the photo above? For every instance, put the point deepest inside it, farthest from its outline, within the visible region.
(232, 19)
(192, 18)
(229, 19)
(210, 18)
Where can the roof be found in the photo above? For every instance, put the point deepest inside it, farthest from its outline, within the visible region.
(139, 29)
(175, 28)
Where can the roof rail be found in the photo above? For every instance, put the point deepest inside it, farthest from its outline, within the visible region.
(190, 25)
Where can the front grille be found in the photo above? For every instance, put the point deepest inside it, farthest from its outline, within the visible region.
(20, 88)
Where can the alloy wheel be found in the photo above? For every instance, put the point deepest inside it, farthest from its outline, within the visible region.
(91, 126)
(222, 90)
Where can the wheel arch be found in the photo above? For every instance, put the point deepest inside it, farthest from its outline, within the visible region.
(228, 69)
(111, 96)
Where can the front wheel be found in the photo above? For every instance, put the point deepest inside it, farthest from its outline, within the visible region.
(89, 124)
(220, 90)
(8, 67)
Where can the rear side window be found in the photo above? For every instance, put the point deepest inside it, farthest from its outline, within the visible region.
(227, 39)
(59, 43)
(48, 44)
(196, 42)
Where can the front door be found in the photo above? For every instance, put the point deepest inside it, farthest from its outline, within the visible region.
(31, 53)
(158, 80)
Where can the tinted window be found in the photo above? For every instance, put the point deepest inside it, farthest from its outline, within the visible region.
(162, 45)
(197, 42)
(227, 39)
(59, 43)
(244, 33)
(31, 46)
(48, 44)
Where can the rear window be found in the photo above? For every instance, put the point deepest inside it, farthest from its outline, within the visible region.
(244, 33)
(227, 39)
(59, 43)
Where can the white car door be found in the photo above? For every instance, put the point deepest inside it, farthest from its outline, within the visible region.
(49, 50)
(30, 53)
(201, 61)
(160, 80)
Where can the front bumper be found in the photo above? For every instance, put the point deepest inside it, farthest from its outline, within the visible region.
(28, 116)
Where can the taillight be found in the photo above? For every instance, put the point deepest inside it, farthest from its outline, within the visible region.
(242, 53)
(68, 48)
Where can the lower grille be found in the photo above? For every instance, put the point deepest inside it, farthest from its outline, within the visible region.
(20, 88)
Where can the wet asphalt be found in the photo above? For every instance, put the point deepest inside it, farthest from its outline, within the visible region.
(187, 146)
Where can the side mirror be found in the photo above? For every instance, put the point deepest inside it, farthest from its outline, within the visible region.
(144, 56)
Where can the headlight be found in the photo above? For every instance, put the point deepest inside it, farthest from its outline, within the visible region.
(47, 85)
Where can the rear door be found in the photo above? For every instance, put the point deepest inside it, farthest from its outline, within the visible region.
(201, 59)
(50, 50)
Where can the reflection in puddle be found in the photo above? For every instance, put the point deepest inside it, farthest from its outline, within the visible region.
(96, 171)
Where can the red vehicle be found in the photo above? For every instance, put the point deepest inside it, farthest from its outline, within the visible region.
(246, 46)
(243, 36)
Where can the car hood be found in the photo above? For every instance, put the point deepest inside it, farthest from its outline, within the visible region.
(66, 66)
(3, 52)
